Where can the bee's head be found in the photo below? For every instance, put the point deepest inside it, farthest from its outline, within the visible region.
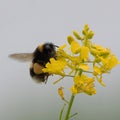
(43, 53)
(48, 49)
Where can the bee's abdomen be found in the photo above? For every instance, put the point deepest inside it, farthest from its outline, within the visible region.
(37, 73)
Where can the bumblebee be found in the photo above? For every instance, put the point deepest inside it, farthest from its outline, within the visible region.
(39, 58)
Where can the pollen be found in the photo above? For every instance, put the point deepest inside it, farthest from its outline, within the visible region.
(37, 68)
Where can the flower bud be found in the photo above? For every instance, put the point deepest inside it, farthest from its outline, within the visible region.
(90, 34)
(86, 27)
(77, 35)
(70, 39)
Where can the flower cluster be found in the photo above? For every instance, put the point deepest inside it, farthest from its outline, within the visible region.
(82, 60)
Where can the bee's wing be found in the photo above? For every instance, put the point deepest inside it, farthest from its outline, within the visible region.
(22, 57)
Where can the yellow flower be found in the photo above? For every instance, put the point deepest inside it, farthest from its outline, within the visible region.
(79, 60)
(109, 62)
(74, 90)
(84, 53)
(83, 84)
(98, 50)
(97, 71)
(55, 67)
(61, 53)
(62, 47)
(75, 47)
(113, 61)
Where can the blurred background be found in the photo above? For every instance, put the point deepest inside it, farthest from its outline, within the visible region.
(24, 24)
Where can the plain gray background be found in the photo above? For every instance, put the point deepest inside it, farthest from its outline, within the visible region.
(24, 24)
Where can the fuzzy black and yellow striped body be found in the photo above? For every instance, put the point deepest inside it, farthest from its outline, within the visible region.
(41, 56)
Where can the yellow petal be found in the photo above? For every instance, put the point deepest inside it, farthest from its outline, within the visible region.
(84, 67)
(75, 47)
(70, 39)
(113, 61)
(97, 70)
(84, 53)
(55, 67)
(73, 90)
(62, 47)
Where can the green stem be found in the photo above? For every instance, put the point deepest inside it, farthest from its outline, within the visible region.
(61, 112)
(69, 107)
